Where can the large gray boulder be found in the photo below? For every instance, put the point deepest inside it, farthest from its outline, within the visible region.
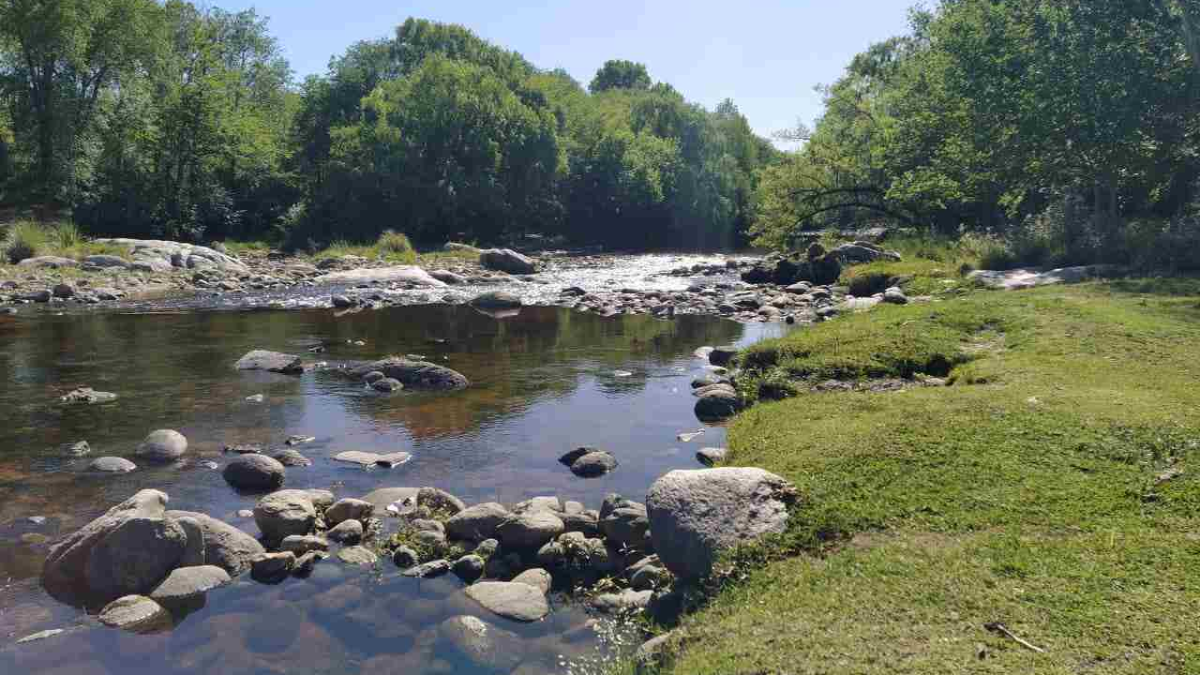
(127, 551)
(511, 600)
(695, 515)
(225, 546)
(413, 374)
(284, 513)
(164, 445)
(406, 274)
(506, 260)
(478, 522)
(163, 256)
(485, 647)
(273, 362)
(624, 521)
(254, 473)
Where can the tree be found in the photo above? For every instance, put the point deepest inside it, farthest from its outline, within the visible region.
(619, 74)
(67, 54)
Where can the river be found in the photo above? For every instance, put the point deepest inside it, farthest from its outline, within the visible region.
(544, 381)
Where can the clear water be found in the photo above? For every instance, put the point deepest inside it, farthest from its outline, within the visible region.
(543, 382)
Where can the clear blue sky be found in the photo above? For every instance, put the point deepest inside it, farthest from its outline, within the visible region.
(767, 55)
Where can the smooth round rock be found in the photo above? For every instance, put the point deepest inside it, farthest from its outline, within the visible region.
(136, 614)
(189, 583)
(112, 465)
(254, 472)
(164, 445)
(516, 601)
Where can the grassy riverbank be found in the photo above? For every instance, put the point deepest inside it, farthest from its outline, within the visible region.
(1053, 488)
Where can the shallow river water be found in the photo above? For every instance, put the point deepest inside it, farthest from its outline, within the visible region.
(543, 382)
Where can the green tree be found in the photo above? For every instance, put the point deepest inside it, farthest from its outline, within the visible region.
(620, 74)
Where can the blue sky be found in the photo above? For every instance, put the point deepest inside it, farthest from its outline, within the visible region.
(767, 55)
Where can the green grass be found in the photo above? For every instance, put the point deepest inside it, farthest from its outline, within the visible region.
(27, 239)
(1032, 500)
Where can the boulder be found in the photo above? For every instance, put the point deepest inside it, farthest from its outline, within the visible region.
(497, 300)
(448, 277)
(414, 374)
(112, 465)
(439, 500)
(164, 445)
(623, 602)
(478, 522)
(469, 568)
(272, 567)
(188, 584)
(861, 252)
(357, 555)
(347, 532)
(285, 513)
(895, 296)
(136, 614)
(254, 472)
(429, 570)
(127, 551)
(63, 291)
(530, 530)
(349, 509)
(224, 545)
(301, 544)
(48, 262)
(162, 256)
(536, 577)
(695, 515)
(106, 261)
(506, 260)
(516, 601)
(486, 648)
(722, 356)
(594, 464)
(387, 385)
(711, 456)
(405, 558)
(717, 404)
(407, 274)
(273, 362)
(623, 521)
(290, 457)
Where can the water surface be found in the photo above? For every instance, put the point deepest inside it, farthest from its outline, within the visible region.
(543, 382)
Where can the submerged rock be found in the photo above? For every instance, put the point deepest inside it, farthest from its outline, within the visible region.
(88, 396)
(112, 465)
(516, 601)
(414, 374)
(483, 646)
(695, 515)
(497, 300)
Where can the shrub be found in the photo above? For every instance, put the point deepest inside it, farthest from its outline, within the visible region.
(395, 244)
(24, 240)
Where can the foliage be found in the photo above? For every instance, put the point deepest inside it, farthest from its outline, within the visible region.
(26, 239)
(620, 74)
(176, 121)
(1037, 500)
(1050, 124)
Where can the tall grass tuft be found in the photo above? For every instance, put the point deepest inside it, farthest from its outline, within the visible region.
(24, 240)
(393, 244)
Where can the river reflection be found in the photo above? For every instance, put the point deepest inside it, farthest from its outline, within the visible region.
(543, 382)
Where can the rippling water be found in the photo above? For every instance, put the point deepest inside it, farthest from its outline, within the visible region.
(543, 382)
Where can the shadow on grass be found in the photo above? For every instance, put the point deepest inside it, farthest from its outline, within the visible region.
(1176, 287)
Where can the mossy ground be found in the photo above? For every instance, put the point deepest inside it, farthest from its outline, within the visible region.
(1035, 499)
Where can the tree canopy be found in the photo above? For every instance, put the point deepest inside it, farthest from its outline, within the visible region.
(176, 121)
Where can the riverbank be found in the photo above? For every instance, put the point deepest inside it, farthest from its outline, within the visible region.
(1036, 514)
